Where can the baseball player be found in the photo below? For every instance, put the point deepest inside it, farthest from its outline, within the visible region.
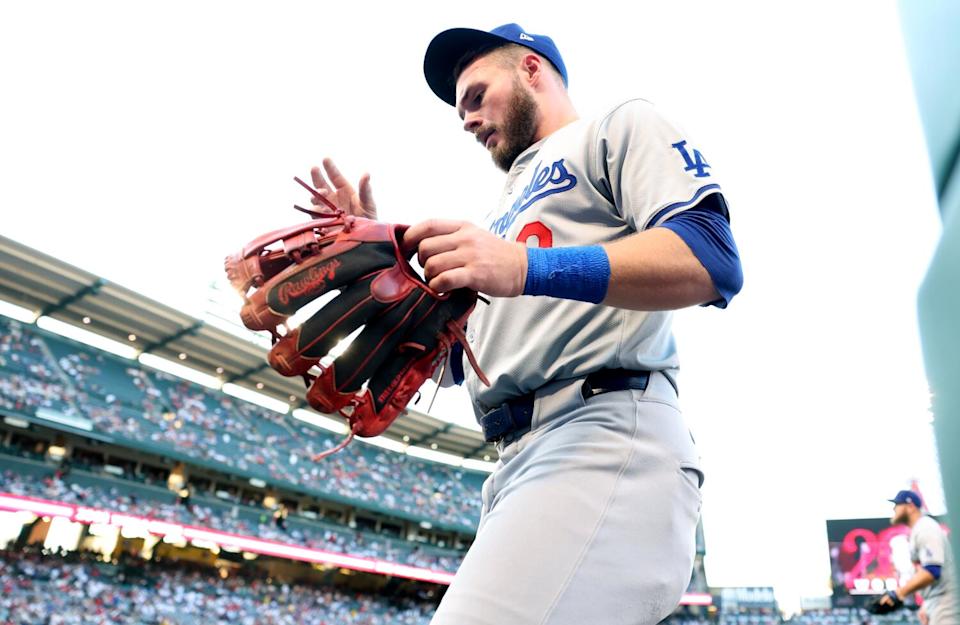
(604, 226)
(930, 550)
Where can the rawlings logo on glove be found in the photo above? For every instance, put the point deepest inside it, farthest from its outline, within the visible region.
(315, 279)
(408, 328)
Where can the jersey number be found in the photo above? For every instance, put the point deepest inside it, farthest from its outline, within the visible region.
(536, 229)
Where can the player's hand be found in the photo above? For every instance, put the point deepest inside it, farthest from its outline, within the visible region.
(891, 597)
(339, 191)
(457, 254)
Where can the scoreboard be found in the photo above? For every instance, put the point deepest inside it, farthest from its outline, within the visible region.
(867, 557)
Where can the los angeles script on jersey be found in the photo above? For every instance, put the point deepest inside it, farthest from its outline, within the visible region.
(544, 181)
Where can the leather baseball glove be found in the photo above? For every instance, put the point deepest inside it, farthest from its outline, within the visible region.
(408, 328)
(886, 603)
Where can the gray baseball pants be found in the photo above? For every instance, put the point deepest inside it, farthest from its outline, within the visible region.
(588, 519)
(942, 610)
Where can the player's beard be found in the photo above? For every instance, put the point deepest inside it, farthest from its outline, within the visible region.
(519, 128)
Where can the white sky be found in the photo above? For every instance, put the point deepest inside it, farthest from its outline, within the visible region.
(145, 142)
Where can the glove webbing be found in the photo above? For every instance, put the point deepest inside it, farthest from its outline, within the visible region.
(458, 332)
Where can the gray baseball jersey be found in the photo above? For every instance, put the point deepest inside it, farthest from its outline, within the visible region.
(929, 546)
(590, 182)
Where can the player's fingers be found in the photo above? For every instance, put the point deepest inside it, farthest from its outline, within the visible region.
(366, 195)
(449, 280)
(337, 179)
(432, 246)
(439, 263)
(317, 178)
(430, 228)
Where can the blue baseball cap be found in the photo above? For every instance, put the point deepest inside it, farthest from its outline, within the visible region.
(447, 48)
(907, 496)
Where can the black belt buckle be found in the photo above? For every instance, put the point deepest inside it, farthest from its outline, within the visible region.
(496, 423)
(509, 418)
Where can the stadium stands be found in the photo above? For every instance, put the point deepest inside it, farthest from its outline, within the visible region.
(152, 411)
(50, 590)
(29, 379)
(34, 479)
(852, 616)
(834, 616)
(77, 589)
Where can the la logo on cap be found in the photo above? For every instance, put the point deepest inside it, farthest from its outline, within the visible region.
(525, 37)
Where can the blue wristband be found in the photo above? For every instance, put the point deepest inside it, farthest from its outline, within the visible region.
(579, 273)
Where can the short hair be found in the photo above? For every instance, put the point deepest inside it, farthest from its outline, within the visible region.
(505, 55)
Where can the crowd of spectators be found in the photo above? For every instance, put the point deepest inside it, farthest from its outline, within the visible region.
(853, 616)
(146, 408)
(832, 616)
(28, 378)
(304, 533)
(50, 590)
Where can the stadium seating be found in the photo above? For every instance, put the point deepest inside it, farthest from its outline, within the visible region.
(101, 374)
(33, 478)
(834, 616)
(853, 616)
(155, 412)
(49, 589)
(38, 589)
(29, 378)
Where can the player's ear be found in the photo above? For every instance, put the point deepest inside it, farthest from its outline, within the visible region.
(531, 68)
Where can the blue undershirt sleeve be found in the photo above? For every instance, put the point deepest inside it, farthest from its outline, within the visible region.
(705, 228)
(933, 569)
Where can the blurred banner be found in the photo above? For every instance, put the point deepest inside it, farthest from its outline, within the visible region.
(867, 557)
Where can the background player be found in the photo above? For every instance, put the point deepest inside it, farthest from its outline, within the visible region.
(590, 514)
(930, 551)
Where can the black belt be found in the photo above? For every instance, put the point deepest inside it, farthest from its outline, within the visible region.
(512, 419)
